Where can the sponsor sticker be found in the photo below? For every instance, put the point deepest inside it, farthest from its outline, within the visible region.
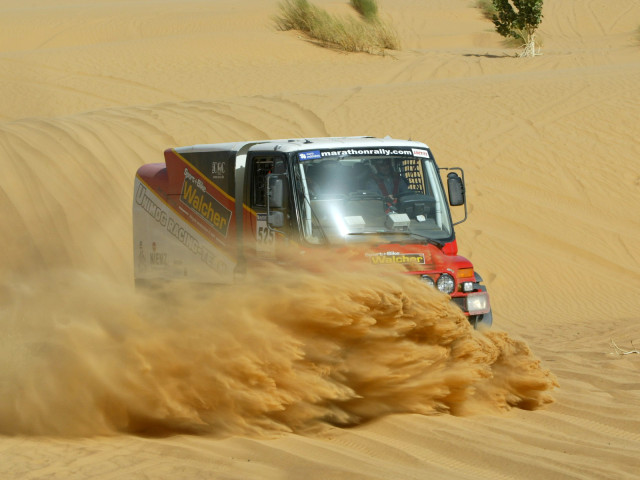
(310, 155)
(366, 151)
(395, 257)
(217, 170)
(145, 200)
(157, 257)
(417, 152)
(196, 197)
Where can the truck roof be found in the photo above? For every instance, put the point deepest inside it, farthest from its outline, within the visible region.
(302, 144)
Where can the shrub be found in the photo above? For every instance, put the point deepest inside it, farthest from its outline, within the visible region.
(297, 15)
(349, 34)
(367, 8)
(519, 19)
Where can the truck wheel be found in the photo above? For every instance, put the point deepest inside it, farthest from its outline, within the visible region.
(485, 320)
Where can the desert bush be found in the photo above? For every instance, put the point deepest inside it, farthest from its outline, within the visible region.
(298, 15)
(367, 8)
(519, 19)
(351, 35)
(515, 38)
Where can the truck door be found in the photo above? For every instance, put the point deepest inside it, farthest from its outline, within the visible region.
(268, 240)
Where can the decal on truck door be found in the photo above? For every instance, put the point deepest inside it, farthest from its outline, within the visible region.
(176, 249)
(265, 237)
(194, 194)
(216, 166)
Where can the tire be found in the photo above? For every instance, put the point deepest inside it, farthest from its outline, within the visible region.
(484, 321)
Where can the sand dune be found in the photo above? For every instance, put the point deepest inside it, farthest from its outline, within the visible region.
(90, 91)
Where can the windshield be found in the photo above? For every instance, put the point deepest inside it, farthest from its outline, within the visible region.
(362, 197)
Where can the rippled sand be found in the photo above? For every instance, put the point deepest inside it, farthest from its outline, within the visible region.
(342, 374)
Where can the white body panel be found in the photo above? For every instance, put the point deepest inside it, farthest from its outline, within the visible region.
(166, 246)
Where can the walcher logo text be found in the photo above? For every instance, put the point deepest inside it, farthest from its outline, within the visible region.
(397, 258)
(205, 205)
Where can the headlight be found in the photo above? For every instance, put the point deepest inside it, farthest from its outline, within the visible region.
(478, 303)
(446, 283)
(428, 280)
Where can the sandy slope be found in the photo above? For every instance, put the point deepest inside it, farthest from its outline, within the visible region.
(91, 90)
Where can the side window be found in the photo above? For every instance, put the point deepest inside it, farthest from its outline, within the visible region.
(263, 166)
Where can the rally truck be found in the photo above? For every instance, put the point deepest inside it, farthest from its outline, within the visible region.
(210, 211)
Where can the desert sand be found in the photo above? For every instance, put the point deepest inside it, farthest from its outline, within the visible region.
(551, 152)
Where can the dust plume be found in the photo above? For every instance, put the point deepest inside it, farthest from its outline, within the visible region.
(284, 351)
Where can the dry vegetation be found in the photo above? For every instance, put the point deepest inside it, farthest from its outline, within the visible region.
(349, 34)
(367, 8)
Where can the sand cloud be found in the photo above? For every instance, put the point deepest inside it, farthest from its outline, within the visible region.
(301, 351)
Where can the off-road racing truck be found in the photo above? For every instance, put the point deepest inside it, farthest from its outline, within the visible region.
(209, 211)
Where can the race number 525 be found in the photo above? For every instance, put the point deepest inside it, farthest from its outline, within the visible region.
(265, 237)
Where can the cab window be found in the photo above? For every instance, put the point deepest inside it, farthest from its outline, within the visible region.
(263, 166)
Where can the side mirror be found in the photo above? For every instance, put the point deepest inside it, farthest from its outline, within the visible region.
(276, 190)
(456, 189)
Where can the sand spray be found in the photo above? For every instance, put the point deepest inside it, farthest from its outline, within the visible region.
(285, 350)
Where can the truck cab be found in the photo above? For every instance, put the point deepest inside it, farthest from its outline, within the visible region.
(211, 210)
